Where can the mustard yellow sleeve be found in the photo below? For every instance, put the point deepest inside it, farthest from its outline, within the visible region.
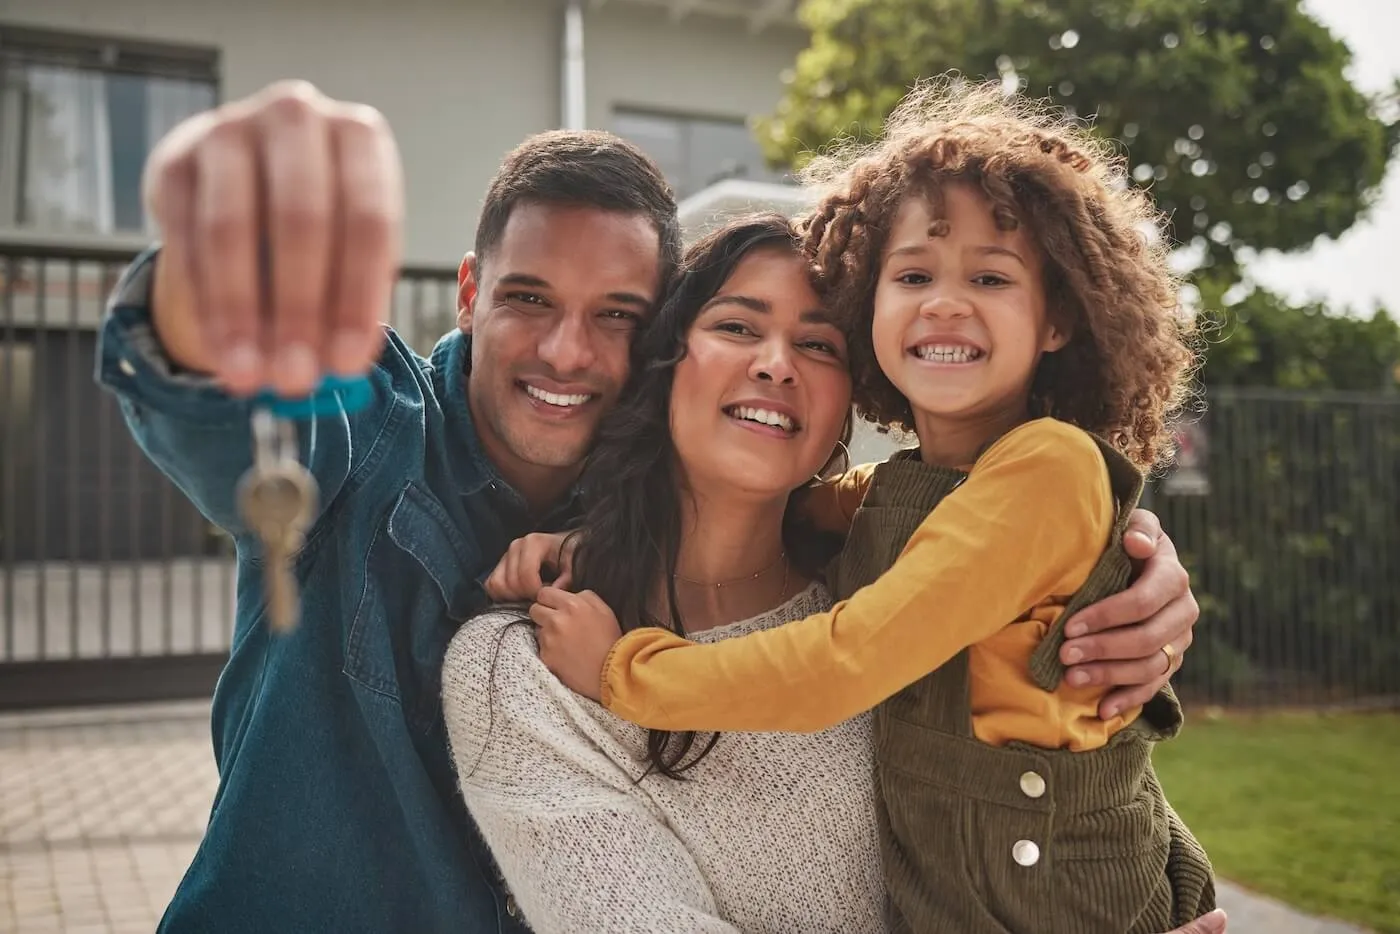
(1032, 506)
(831, 506)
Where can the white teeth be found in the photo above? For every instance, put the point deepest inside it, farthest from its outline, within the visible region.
(763, 417)
(554, 398)
(947, 353)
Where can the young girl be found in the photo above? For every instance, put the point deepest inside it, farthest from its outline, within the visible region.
(1009, 307)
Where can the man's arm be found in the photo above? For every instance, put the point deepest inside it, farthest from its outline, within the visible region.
(1116, 642)
(580, 846)
(280, 217)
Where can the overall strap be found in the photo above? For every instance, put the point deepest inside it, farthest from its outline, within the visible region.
(1109, 576)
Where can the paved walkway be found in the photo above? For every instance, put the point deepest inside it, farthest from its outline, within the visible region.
(101, 811)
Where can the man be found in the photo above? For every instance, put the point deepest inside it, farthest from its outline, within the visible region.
(281, 214)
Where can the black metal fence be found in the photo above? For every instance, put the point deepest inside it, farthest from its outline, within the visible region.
(1286, 507)
(1289, 521)
(112, 586)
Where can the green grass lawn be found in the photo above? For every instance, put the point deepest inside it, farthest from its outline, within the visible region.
(1302, 807)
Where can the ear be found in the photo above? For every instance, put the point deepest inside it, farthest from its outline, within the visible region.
(1058, 332)
(466, 292)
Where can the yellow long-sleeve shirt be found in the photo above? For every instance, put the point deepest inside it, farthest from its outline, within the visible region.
(990, 570)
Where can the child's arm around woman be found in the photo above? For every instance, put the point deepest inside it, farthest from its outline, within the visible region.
(1030, 522)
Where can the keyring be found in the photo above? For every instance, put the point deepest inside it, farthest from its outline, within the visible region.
(334, 394)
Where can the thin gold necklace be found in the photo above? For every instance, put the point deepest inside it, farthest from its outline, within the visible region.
(740, 580)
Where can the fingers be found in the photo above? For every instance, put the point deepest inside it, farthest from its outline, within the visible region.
(520, 573)
(295, 151)
(1136, 680)
(1115, 702)
(370, 196)
(1174, 624)
(527, 581)
(554, 597)
(281, 222)
(168, 187)
(564, 603)
(546, 617)
(226, 252)
(1162, 584)
(1212, 923)
(1142, 534)
(564, 562)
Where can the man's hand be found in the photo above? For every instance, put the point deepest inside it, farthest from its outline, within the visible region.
(1120, 640)
(576, 631)
(281, 223)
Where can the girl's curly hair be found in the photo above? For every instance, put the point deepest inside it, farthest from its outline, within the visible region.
(1126, 371)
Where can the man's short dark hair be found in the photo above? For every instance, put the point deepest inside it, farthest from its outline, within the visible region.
(583, 168)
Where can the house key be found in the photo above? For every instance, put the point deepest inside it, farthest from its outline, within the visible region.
(277, 498)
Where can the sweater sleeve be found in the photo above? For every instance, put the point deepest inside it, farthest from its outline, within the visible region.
(994, 548)
(580, 847)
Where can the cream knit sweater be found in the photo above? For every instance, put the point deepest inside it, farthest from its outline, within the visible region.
(771, 832)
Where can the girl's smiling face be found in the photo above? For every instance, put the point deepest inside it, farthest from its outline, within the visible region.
(960, 318)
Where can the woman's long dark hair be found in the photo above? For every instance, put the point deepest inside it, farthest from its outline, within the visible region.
(632, 497)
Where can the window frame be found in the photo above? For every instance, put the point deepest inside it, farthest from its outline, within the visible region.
(687, 119)
(102, 54)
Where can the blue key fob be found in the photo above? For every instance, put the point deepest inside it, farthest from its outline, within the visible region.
(335, 394)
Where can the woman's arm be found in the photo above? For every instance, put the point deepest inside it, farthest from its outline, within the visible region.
(1030, 522)
(580, 847)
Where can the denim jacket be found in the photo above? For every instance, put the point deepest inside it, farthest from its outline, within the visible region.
(337, 808)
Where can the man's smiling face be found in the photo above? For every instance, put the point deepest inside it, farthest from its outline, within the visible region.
(552, 311)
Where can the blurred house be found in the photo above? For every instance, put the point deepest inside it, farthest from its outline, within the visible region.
(87, 87)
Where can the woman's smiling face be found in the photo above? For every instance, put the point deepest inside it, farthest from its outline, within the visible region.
(762, 395)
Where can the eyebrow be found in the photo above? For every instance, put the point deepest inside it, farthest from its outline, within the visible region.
(988, 250)
(535, 282)
(811, 315)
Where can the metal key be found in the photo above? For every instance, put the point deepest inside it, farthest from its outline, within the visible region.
(277, 498)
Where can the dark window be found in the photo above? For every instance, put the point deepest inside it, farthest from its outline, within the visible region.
(78, 117)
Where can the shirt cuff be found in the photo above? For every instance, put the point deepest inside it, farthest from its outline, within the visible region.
(132, 364)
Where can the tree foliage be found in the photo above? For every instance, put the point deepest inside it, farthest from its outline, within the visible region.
(1237, 113)
(1264, 340)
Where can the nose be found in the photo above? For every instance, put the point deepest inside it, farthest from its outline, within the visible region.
(945, 305)
(773, 363)
(567, 347)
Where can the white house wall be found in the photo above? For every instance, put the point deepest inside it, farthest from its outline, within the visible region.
(461, 81)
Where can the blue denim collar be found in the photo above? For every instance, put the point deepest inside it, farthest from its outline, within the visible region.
(451, 361)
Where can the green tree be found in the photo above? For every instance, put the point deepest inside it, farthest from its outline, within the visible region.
(1263, 340)
(1237, 113)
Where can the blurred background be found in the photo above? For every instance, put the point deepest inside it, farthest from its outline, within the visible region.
(1265, 128)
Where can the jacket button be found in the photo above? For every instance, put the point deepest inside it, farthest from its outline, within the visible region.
(1032, 785)
(1025, 853)
(512, 908)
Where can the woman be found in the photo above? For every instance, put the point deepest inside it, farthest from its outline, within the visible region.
(596, 824)
(584, 812)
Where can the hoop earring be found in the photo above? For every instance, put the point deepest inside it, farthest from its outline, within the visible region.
(827, 474)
